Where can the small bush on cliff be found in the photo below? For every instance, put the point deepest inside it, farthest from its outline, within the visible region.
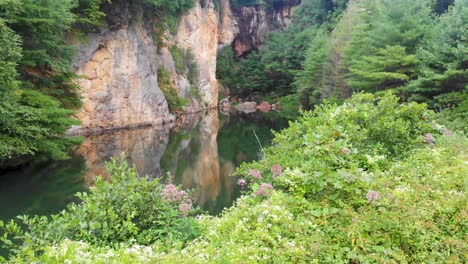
(172, 97)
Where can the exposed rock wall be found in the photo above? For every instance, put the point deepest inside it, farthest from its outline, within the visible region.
(198, 32)
(254, 23)
(119, 65)
(119, 68)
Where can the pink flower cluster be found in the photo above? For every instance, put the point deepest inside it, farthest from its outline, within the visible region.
(170, 194)
(184, 208)
(429, 138)
(276, 170)
(256, 174)
(264, 189)
(345, 151)
(241, 182)
(372, 196)
(447, 132)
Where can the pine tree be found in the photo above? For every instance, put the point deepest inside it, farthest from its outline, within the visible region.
(444, 60)
(381, 54)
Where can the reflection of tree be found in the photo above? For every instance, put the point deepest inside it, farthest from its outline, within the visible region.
(41, 189)
(236, 140)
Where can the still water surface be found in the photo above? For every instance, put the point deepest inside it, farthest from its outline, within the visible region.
(200, 154)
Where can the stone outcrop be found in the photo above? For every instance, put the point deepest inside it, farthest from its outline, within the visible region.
(119, 69)
(228, 27)
(247, 107)
(198, 32)
(119, 65)
(254, 23)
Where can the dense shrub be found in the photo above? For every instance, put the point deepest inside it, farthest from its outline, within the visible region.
(371, 181)
(125, 210)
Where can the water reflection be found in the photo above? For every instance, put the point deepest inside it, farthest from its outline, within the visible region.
(196, 165)
(143, 148)
(200, 154)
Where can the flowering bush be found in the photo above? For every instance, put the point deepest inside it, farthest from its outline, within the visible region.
(335, 149)
(127, 209)
(326, 192)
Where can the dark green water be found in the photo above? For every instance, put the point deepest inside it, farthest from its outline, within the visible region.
(199, 154)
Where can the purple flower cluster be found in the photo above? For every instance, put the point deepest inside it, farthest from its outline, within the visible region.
(447, 132)
(241, 182)
(184, 208)
(372, 196)
(429, 138)
(256, 174)
(276, 170)
(264, 189)
(170, 194)
(345, 151)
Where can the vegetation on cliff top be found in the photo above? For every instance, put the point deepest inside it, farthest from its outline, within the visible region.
(36, 79)
(371, 180)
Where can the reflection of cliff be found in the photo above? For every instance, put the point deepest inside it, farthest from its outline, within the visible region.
(192, 158)
(189, 152)
(142, 147)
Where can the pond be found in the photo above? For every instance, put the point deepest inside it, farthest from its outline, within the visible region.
(199, 154)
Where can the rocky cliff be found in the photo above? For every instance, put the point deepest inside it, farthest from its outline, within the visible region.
(256, 21)
(119, 66)
(120, 63)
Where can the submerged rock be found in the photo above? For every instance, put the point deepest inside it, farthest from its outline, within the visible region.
(247, 107)
(264, 106)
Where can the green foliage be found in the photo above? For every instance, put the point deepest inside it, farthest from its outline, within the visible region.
(10, 55)
(373, 131)
(30, 121)
(171, 7)
(443, 57)
(372, 196)
(33, 123)
(185, 64)
(316, 70)
(89, 14)
(41, 25)
(124, 211)
(380, 45)
(382, 51)
(454, 113)
(274, 67)
(172, 97)
(338, 199)
(386, 68)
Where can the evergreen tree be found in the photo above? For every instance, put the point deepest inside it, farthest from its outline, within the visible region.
(311, 81)
(444, 60)
(381, 54)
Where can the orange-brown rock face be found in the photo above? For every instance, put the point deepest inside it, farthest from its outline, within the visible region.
(119, 66)
(198, 32)
(227, 27)
(254, 23)
(119, 85)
